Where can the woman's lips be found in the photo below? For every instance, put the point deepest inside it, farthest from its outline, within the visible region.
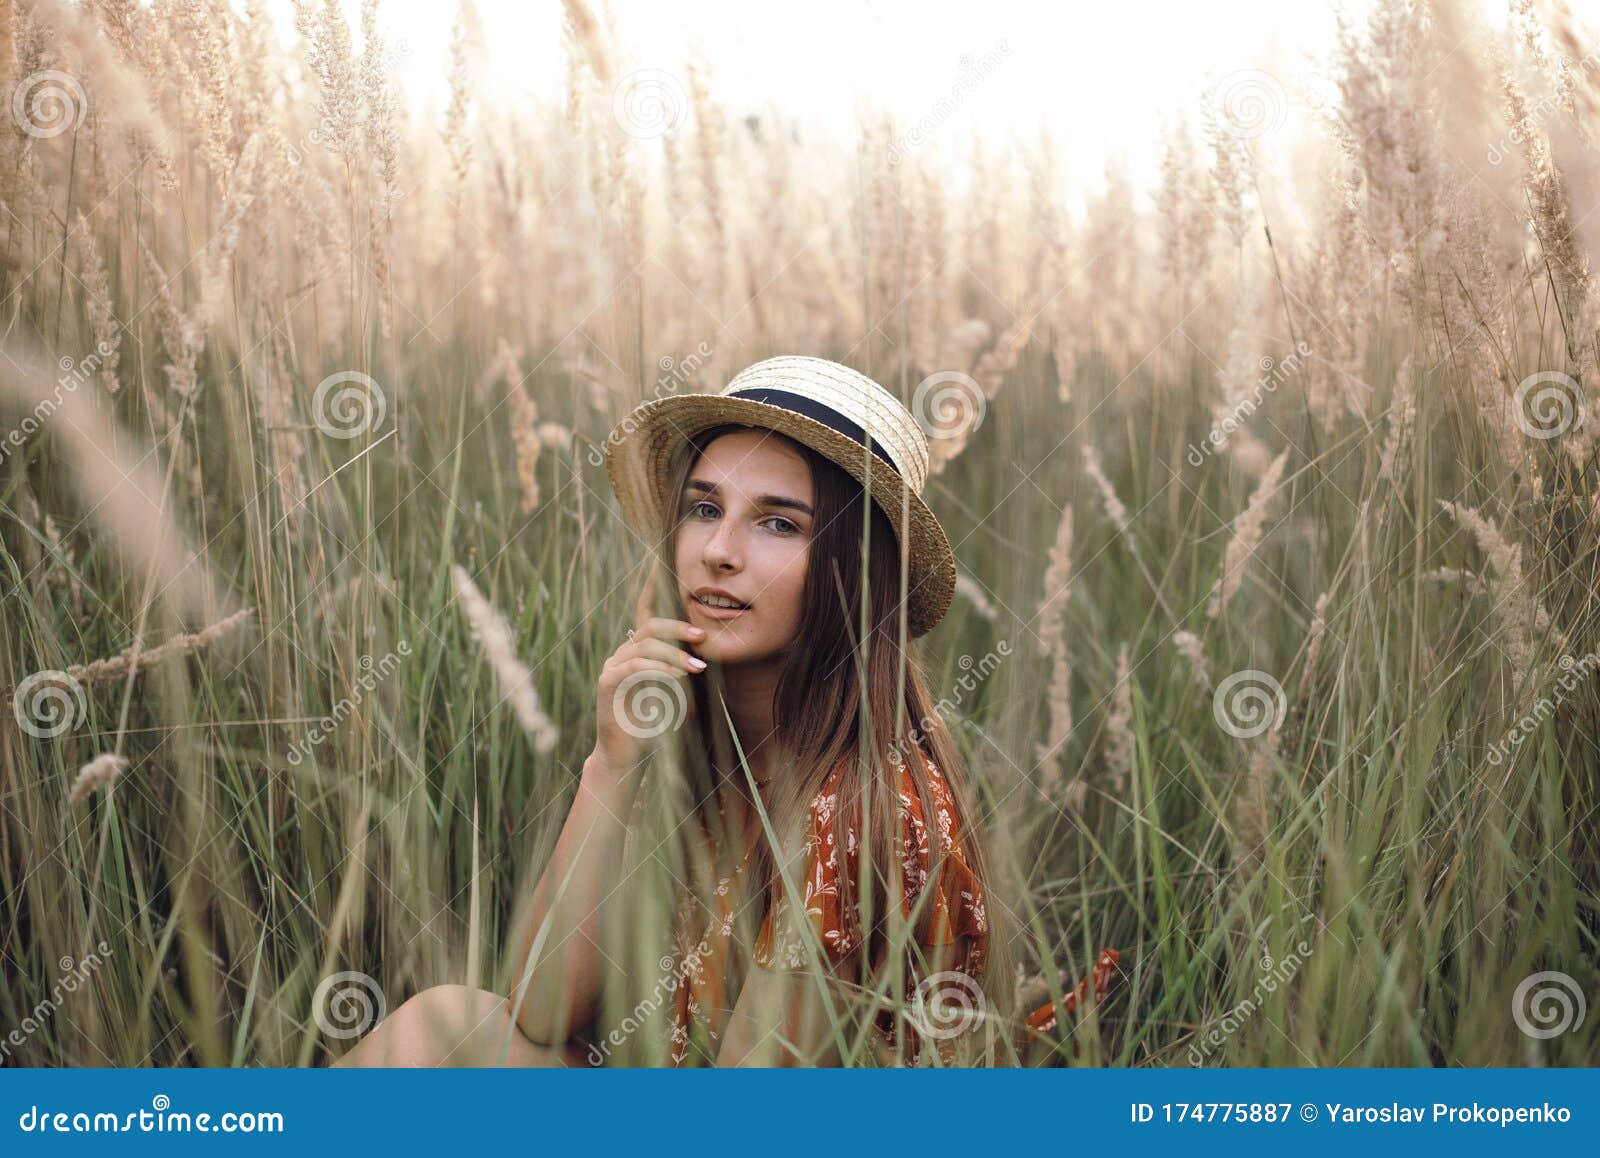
(716, 612)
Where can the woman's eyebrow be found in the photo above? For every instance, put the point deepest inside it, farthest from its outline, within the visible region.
(701, 486)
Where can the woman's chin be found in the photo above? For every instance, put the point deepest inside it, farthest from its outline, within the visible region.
(723, 645)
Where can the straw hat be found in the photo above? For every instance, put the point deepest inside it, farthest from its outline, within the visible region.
(836, 411)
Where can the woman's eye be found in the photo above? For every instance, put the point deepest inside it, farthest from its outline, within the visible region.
(784, 526)
(705, 508)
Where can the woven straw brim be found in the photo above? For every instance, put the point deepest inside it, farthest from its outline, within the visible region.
(639, 457)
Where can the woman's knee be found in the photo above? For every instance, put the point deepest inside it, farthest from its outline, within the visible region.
(457, 1025)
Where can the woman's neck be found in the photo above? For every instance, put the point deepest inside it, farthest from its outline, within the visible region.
(751, 697)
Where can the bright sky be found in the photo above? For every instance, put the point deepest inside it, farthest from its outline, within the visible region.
(1106, 75)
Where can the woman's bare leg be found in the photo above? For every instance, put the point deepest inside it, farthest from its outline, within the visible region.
(452, 1025)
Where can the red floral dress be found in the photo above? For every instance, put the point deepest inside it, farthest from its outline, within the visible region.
(958, 918)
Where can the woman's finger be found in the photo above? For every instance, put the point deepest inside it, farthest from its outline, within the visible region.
(644, 663)
(668, 653)
(664, 628)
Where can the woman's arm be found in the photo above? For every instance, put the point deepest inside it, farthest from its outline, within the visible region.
(558, 954)
(780, 1019)
(558, 950)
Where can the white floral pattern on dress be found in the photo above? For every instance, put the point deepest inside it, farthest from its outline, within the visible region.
(958, 907)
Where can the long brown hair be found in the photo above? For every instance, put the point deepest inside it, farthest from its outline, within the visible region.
(835, 687)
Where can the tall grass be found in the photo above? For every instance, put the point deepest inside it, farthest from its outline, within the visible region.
(336, 783)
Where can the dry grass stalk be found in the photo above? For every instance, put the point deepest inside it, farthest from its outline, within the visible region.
(101, 772)
(97, 300)
(328, 53)
(135, 660)
(241, 192)
(971, 590)
(1114, 509)
(1246, 538)
(1402, 416)
(525, 428)
(383, 144)
(183, 335)
(1319, 628)
(1120, 741)
(515, 681)
(1252, 816)
(1190, 647)
(1513, 602)
(1052, 631)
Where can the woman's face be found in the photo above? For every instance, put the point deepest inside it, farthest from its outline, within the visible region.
(745, 527)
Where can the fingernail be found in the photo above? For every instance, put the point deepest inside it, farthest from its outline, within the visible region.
(697, 631)
(697, 663)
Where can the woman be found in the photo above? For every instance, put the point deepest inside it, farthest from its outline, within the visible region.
(809, 725)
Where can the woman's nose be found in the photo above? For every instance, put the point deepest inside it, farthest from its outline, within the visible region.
(721, 552)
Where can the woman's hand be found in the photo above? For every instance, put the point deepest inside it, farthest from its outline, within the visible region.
(640, 693)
